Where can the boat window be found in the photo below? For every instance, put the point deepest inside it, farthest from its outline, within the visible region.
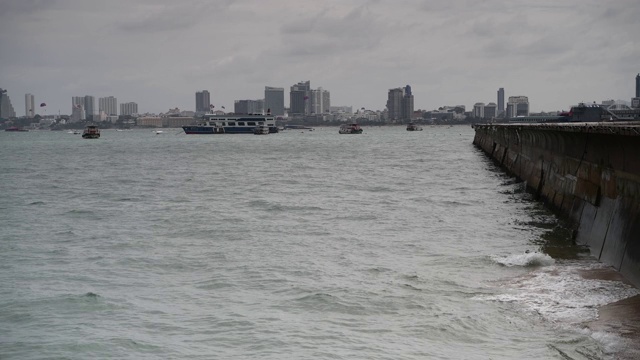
(231, 123)
(240, 123)
(260, 123)
(251, 123)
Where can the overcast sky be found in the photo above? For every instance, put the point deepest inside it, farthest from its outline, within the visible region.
(158, 53)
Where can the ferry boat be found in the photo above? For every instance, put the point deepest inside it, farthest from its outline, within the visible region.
(350, 129)
(414, 127)
(91, 132)
(231, 124)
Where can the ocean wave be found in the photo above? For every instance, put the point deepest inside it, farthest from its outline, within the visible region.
(530, 259)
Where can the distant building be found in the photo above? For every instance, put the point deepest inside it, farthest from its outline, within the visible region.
(29, 105)
(500, 100)
(274, 100)
(341, 109)
(517, 106)
(478, 110)
(248, 106)
(635, 102)
(394, 103)
(108, 105)
(89, 107)
(78, 112)
(490, 110)
(400, 103)
(6, 109)
(88, 103)
(407, 103)
(203, 101)
(299, 98)
(638, 86)
(319, 101)
(129, 108)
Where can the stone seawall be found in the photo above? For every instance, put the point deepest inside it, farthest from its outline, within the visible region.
(588, 173)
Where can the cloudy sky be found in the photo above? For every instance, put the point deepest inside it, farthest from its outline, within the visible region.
(158, 53)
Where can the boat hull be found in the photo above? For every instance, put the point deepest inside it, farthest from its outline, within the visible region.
(211, 130)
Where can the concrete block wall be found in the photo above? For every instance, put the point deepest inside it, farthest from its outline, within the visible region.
(588, 174)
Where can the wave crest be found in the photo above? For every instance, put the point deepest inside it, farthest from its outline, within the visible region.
(530, 259)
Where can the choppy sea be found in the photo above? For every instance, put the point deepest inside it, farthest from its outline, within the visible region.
(298, 245)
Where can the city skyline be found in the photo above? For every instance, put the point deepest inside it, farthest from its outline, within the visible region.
(457, 52)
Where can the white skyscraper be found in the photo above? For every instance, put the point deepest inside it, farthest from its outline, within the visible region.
(129, 108)
(109, 105)
(29, 105)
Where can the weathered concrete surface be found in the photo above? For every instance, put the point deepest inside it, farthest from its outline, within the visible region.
(588, 173)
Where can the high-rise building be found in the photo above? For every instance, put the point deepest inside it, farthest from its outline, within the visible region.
(109, 105)
(407, 103)
(400, 103)
(319, 101)
(299, 98)
(77, 108)
(29, 105)
(500, 100)
(638, 86)
(129, 108)
(394, 103)
(274, 100)
(490, 110)
(248, 106)
(89, 107)
(478, 110)
(517, 106)
(203, 101)
(6, 109)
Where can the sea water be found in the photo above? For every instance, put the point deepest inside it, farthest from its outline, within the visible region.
(298, 245)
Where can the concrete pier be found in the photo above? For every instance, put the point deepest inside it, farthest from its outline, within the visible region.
(588, 173)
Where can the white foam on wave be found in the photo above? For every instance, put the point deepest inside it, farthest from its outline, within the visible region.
(526, 259)
(559, 294)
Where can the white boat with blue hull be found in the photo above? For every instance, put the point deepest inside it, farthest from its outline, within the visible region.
(231, 124)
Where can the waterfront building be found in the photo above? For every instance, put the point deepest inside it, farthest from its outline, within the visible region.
(89, 107)
(78, 112)
(407, 104)
(6, 109)
(319, 101)
(500, 100)
(29, 105)
(274, 100)
(108, 105)
(517, 106)
(490, 110)
(478, 110)
(394, 103)
(248, 106)
(341, 109)
(128, 108)
(299, 98)
(635, 102)
(203, 101)
(400, 103)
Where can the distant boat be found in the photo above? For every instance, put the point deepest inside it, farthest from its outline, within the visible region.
(414, 127)
(231, 124)
(261, 130)
(352, 128)
(15, 129)
(158, 132)
(91, 132)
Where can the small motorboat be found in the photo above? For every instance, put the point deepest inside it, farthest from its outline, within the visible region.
(91, 132)
(350, 129)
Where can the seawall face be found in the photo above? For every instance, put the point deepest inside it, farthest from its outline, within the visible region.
(589, 173)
